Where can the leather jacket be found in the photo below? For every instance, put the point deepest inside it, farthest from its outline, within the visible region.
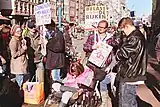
(132, 58)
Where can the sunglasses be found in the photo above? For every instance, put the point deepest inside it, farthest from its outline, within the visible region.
(101, 27)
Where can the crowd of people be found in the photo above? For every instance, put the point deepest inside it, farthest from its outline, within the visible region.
(30, 50)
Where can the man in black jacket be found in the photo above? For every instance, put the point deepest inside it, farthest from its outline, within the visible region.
(132, 63)
(55, 57)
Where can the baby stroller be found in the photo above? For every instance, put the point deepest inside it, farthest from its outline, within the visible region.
(88, 98)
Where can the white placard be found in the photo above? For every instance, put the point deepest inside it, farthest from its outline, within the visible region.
(100, 55)
(43, 14)
(94, 14)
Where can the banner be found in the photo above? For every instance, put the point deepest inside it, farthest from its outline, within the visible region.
(94, 14)
(43, 14)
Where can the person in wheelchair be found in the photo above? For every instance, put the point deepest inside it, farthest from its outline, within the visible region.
(71, 87)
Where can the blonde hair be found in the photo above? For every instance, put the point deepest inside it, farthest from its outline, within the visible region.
(14, 28)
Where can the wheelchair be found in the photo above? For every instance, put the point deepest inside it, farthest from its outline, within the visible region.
(88, 98)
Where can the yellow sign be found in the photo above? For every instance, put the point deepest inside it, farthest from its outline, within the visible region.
(95, 13)
(95, 8)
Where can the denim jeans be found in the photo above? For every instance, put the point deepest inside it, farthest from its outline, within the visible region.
(127, 95)
(103, 84)
(21, 78)
(55, 74)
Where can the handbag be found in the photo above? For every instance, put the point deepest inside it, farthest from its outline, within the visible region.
(33, 92)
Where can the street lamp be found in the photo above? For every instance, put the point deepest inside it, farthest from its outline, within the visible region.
(59, 4)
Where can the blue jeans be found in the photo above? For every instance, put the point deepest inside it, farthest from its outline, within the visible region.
(21, 78)
(103, 84)
(127, 95)
(55, 74)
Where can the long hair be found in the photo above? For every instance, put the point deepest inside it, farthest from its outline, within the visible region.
(76, 67)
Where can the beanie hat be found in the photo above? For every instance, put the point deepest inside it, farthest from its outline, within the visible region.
(31, 24)
(14, 28)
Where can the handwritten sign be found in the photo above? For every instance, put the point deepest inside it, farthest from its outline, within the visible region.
(94, 14)
(100, 55)
(43, 14)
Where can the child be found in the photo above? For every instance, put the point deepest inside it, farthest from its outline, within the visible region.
(70, 89)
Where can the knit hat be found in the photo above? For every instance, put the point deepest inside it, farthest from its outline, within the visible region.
(31, 25)
(14, 28)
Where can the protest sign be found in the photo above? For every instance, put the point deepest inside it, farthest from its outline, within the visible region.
(100, 55)
(94, 14)
(43, 14)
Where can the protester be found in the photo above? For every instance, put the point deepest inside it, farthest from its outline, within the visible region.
(19, 60)
(55, 58)
(132, 63)
(90, 45)
(79, 33)
(4, 46)
(34, 52)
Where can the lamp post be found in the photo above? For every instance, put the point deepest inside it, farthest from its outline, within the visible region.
(59, 3)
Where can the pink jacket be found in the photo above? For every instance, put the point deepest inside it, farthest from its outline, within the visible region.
(84, 78)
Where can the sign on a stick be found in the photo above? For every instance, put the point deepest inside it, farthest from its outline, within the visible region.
(43, 14)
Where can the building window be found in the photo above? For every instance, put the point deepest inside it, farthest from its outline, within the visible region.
(25, 7)
(32, 9)
(29, 7)
(16, 6)
(21, 7)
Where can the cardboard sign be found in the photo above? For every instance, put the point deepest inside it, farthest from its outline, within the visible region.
(100, 55)
(94, 14)
(43, 14)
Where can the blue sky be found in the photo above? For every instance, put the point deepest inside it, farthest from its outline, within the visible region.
(140, 6)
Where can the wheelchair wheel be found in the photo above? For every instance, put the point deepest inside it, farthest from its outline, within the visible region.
(46, 103)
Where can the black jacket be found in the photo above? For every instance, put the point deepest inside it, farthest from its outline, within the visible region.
(55, 51)
(132, 58)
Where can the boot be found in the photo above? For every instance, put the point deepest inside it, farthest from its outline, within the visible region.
(62, 104)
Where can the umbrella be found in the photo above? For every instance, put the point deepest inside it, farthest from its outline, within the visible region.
(3, 18)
